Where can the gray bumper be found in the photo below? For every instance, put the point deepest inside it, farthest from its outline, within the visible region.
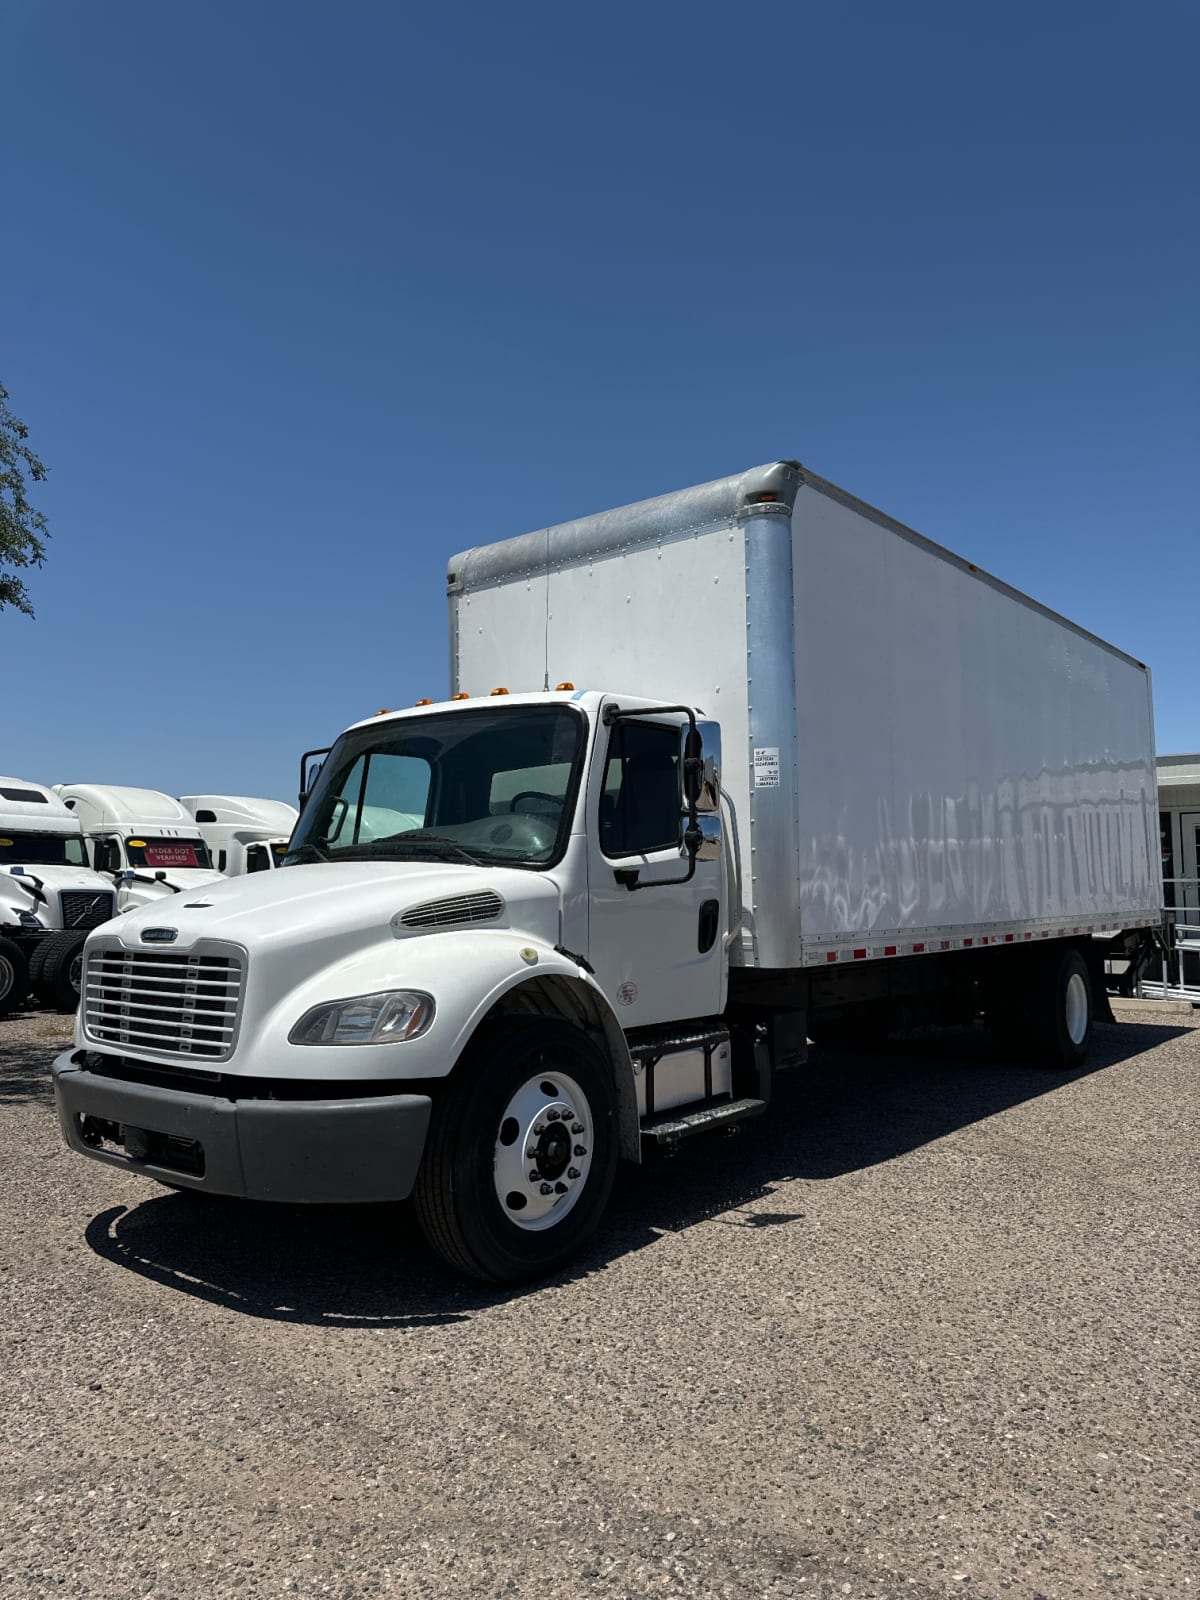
(319, 1151)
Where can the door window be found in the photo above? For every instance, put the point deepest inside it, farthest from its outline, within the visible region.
(641, 807)
(256, 858)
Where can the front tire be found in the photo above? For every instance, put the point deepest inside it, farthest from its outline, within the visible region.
(59, 975)
(521, 1154)
(14, 976)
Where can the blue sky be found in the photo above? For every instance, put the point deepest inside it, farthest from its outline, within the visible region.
(297, 300)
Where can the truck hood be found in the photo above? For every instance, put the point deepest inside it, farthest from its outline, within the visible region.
(17, 893)
(314, 914)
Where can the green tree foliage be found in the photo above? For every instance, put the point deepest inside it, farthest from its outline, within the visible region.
(23, 531)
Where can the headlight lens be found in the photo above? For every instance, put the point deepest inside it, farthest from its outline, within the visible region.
(385, 1018)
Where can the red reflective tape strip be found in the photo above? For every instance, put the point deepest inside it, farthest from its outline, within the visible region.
(945, 944)
(831, 955)
(889, 949)
(967, 943)
(1009, 937)
(918, 949)
(860, 955)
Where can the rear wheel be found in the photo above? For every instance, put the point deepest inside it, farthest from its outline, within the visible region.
(59, 975)
(14, 976)
(1044, 1013)
(521, 1154)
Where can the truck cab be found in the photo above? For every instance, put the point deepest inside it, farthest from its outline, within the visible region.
(243, 833)
(49, 896)
(143, 841)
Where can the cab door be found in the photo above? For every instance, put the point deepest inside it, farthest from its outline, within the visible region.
(656, 943)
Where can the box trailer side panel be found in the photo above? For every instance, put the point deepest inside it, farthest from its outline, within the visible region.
(968, 761)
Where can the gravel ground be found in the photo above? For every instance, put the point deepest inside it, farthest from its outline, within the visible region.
(926, 1331)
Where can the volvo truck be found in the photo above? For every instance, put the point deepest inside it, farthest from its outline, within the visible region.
(49, 897)
(719, 773)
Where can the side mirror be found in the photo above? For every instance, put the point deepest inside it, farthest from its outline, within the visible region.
(700, 766)
(708, 800)
(310, 767)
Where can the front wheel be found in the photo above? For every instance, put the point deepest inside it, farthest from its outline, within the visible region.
(14, 976)
(521, 1154)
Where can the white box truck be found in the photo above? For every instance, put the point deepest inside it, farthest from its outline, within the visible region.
(243, 833)
(720, 771)
(49, 897)
(145, 840)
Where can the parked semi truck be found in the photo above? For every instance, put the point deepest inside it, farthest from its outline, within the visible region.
(49, 897)
(147, 843)
(720, 771)
(243, 833)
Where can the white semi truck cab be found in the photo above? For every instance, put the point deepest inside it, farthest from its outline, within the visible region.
(780, 789)
(49, 897)
(243, 833)
(147, 843)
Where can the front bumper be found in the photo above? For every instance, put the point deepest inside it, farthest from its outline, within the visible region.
(315, 1151)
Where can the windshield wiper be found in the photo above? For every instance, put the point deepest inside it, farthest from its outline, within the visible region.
(421, 836)
(316, 850)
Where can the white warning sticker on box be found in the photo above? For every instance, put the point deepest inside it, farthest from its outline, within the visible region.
(766, 767)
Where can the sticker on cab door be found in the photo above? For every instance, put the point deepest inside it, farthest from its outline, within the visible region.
(766, 767)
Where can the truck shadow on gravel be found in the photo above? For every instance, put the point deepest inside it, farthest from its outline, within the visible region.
(24, 1065)
(366, 1267)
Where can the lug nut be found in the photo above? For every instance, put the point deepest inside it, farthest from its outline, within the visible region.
(581, 1149)
(539, 1127)
(552, 1115)
(560, 1188)
(534, 1175)
(547, 1188)
(577, 1127)
(572, 1172)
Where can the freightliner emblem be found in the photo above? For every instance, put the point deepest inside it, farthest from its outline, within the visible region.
(159, 935)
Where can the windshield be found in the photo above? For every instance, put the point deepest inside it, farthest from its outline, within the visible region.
(41, 849)
(494, 786)
(149, 852)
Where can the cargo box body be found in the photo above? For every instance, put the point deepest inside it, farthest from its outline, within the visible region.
(916, 757)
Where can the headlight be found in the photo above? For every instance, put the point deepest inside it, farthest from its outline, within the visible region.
(385, 1018)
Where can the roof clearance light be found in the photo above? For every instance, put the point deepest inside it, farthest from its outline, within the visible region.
(422, 702)
(499, 691)
(461, 695)
(384, 711)
(559, 687)
(763, 499)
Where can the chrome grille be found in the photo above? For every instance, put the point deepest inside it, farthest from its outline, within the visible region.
(483, 907)
(83, 909)
(174, 1003)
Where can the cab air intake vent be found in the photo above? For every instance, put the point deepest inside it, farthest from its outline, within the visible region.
(484, 907)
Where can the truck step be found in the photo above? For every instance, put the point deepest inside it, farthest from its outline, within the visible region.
(669, 1129)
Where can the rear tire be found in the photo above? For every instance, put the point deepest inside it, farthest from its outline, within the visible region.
(509, 1187)
(14, 977)
(59, 973)
(1043, 1016)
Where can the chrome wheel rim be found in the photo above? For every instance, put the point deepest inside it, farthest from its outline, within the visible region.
(8, 977)
(75, 972)
(543, 1151)
(1077, 1008)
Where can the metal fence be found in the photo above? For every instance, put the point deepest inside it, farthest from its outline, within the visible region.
(1179, 974)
